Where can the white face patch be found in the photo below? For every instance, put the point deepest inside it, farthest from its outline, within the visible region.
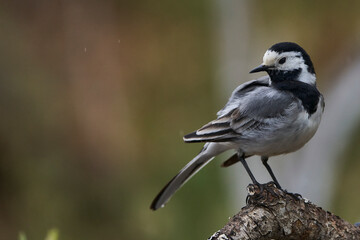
(293, 60)
(270, 57)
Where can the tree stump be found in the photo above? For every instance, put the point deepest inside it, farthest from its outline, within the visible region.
(271, 213)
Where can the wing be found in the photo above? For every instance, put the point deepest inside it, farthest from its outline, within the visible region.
(252, 108)
(240, 91)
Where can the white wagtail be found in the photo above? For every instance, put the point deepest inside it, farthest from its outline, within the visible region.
(272, 115)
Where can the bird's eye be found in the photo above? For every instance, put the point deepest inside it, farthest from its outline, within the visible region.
(282, 61)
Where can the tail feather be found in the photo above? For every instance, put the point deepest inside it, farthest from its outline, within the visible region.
(209, 151)
(180, 179)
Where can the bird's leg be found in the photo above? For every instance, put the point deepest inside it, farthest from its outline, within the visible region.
(265, 162)
(242, 160)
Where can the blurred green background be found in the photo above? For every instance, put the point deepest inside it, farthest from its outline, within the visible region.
(95, 97)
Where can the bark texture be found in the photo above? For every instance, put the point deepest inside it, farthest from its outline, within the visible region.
(272, 213)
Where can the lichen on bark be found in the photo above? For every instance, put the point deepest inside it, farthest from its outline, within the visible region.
(272, 213)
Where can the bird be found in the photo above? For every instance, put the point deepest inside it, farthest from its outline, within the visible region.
(272, 115)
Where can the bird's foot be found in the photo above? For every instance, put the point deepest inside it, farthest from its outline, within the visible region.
(259, 192)
(268, 192)
(295, 196)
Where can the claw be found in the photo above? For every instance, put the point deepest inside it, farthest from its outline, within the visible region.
(295, 196)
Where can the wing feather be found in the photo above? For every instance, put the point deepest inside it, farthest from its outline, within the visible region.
(251, 108)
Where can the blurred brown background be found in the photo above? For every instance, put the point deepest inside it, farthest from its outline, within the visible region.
(95, 97)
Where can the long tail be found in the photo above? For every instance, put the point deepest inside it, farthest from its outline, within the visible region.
(209, 151)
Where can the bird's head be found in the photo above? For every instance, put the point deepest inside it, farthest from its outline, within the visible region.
(287, 61)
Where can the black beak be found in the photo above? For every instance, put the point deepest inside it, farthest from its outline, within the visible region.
(260, 68)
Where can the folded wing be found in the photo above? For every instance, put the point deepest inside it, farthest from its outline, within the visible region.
(251, 109)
